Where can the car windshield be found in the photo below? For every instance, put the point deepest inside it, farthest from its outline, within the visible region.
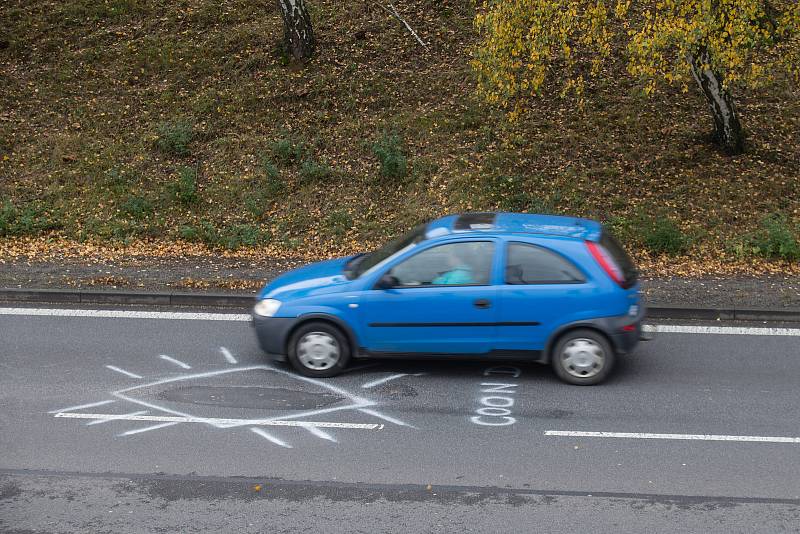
(360, 264)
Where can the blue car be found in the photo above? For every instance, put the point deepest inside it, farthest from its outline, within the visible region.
(488, 286)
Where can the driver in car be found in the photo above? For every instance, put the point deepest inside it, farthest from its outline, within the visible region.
(459, 272)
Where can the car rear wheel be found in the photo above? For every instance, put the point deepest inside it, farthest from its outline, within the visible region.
(582, 357)
(318, 349)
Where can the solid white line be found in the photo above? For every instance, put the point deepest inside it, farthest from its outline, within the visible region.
(81, 406)
(319, 433)
(383, 380)
(244, 317)
(228, 356)
(123, 371)
(271, 438)
(127, 314)
(217, 420)
(113, 418)
(146, 429)
(176, 362)
(384, 417)
(698, 437)
(725, 330)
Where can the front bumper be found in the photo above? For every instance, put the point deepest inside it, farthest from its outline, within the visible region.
(273, 334)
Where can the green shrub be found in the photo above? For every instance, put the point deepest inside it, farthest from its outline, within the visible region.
(270, 170)
(662, 236)
(287, 151)
(338, 222)
(174, 137)
(265, 190)
(189, 233)
(137, 207)
(230, 237)
(242, 235)
(507, 193)
(314, 172)
(389, 151)
(31, 220)
(184, 190)
(776, 238)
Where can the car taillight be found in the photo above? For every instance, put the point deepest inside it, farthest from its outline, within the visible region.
(606, 262)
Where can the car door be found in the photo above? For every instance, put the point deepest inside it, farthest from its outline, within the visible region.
(540, 290)
(442, 302)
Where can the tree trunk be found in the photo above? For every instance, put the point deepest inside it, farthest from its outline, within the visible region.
(727, 129)
(298, 33)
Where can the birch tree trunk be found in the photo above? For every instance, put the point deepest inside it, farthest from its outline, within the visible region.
(298, 33)
(727, 128)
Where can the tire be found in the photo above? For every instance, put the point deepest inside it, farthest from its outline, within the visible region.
(318, 349)
(582, 357)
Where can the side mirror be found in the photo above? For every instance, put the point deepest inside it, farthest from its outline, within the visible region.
(387, 281)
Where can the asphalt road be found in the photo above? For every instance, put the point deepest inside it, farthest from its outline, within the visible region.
(161, 425)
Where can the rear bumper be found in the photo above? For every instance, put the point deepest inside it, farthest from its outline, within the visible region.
(273, 334)
(626, 332)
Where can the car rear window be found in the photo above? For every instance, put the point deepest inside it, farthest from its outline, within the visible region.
(621, 258)
(530, 264)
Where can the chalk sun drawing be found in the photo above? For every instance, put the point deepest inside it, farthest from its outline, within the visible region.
(164, 416)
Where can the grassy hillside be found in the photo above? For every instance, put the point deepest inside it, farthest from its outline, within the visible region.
(182, 121)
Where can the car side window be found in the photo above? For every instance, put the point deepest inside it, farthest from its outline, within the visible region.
(453, 264)
(530, 264)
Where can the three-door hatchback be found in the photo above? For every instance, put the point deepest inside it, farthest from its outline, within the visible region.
(489, 286)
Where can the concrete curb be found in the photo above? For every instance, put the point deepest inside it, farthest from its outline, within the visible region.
(59, 296)
(239, 300)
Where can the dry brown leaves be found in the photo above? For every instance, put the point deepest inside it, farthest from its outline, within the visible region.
(705, 263)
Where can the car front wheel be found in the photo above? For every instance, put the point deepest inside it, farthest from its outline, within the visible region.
(319, 350)
(582, 357)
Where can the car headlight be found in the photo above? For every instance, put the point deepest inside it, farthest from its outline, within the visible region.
(266, 307)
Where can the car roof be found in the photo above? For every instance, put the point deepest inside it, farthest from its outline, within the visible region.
(516, 223)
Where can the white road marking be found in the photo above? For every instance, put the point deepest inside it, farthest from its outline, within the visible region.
(699, 437)
(228, 356)
(127, 314)
(360, 367)
(81, 406)
(384, 417)
(111, 417)
(217, 421)
(176, 362)
(123, 371)
(177, 417)
(147, 429)
(383, 380)
(725, 330)
(244, 317)
(271, 438)
(357, 401)
(319, 432)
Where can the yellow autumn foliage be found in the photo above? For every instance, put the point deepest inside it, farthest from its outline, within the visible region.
(525, 43)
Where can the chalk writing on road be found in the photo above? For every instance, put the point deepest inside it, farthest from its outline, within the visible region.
(497, 397)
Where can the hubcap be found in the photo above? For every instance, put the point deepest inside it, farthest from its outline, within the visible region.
(318, 351)
(583, 358)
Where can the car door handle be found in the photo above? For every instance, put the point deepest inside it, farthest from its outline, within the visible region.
(482, 303)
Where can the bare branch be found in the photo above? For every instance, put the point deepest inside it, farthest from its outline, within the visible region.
(393, 12)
